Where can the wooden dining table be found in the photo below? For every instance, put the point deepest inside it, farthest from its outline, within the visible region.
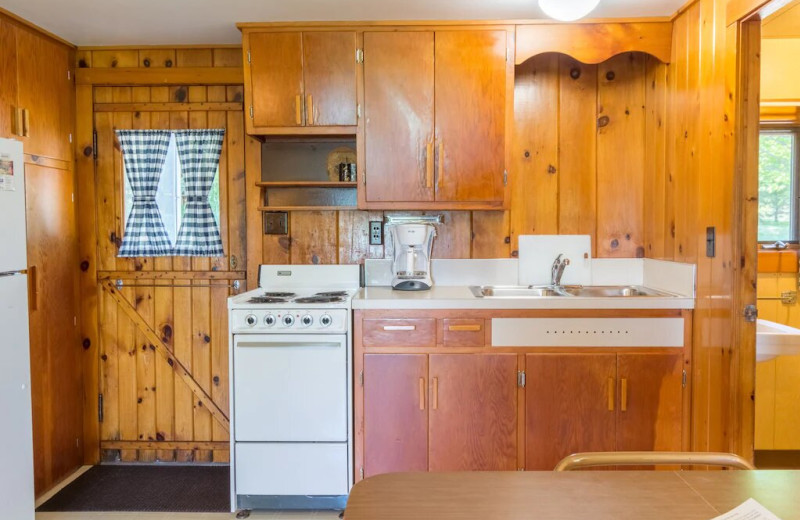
(542, 495)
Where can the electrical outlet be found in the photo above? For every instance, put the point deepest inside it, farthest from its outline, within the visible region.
(276, 223)
(375, 233)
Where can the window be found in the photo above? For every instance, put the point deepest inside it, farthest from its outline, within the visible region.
(169, 196)
(778, 185)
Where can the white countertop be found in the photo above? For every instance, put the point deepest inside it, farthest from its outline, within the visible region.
(460, 297)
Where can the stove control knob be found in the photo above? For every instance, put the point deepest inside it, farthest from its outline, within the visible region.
(288, 320)
(250, 320)
(307, 320)
(325, 320)
(269, 320)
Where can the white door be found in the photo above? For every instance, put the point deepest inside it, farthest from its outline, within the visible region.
(16, 434)
(290, 388)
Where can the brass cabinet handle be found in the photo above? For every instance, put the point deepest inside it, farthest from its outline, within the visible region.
(464, 328)
(26, 122)
(298, 109)
(623, 405)
(440, 177)
(18, 129)
(429, 164)
(611, 394)
(435, 400)
(399, 327)
(310, 110)
(421, 393)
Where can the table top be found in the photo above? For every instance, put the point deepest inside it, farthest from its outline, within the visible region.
(641, 495)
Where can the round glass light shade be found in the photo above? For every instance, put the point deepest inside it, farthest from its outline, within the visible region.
(567, 10)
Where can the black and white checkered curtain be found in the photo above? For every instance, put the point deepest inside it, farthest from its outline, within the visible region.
(144, 153)
(198, 153)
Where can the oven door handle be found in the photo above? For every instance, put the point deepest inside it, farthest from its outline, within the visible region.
(289, 344)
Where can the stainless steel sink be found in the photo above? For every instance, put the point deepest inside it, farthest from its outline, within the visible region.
(545, 291)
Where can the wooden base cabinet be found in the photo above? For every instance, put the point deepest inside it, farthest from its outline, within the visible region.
(440, 412)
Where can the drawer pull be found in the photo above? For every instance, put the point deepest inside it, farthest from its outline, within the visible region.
(298, 110)
(623, 406)
(390, 328)
(429, 164)
(464, 328)
(611, 394)
(435, 400)
(310, 110)
(421, 393)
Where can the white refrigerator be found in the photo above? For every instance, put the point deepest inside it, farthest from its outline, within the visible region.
(16, 472)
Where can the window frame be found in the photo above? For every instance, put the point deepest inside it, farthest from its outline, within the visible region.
(795, 208)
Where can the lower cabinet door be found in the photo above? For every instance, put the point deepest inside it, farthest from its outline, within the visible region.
(395, 413)
(473, 412)
(650, 402)
(570, 406)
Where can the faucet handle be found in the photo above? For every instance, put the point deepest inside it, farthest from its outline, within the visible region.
(566, 261)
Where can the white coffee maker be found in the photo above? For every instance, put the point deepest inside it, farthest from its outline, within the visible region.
(412, 255)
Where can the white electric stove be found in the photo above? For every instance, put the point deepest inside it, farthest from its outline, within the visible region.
(291, 388)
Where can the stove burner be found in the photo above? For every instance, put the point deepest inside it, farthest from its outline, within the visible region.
(319, 299)
(279, 294)
(332, 293)
(267, 299)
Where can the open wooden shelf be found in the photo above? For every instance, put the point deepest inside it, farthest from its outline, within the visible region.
(307, 208)
(306, 184)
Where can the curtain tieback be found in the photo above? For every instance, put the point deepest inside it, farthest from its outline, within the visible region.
(144, 199)
(196, 199)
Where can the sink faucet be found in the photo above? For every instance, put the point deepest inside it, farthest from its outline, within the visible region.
(557, 270)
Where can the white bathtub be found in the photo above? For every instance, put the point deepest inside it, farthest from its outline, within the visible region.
(774, 339)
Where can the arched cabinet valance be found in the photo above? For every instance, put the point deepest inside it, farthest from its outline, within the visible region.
(594, 42)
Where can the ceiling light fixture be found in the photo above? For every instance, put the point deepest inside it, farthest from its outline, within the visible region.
(567, 10)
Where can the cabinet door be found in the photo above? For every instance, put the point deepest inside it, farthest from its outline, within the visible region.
(46, 91)
(329, 71)
(650, 402)
(276, 78)
(8, 79)
(395, 413)
(471, 78)
(399, 117)
(473, 416)
(570, 406)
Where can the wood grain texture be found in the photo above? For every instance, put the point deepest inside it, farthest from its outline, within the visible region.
(395, 425)
(567, 406)
(474, 424)
(276, 77)
(329, 75)
(8, 87)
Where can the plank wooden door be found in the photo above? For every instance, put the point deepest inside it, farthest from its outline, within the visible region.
(45, 91)
(329, 75)
(650, 394)
(276, 75)
(395, 413)
(473, 412)
(471, 73)
(56, 360)
(569, 406)
(399, 116)
(8, 85)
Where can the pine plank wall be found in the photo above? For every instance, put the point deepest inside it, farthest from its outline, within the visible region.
(612, 150)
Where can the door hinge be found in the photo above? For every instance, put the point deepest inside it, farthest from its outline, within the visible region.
(361, 472)
(361, 378)
(248, 57)
(94, 144)
(683, 379)
(359, 56)
(70, 138)
(521, 378)
(750, 313)
(251, 111)
(505, 177)
(69, 75)
(508, 54)
(99, 407)
(789, 297)
(358, 110)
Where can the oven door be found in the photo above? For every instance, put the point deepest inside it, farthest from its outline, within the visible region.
(290, 387)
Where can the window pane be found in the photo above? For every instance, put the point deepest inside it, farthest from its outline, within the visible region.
(776, 187)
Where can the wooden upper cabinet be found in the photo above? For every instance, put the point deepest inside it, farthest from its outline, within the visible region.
(301, 79)
(396, 413)
(570, 403)
(473, 412)
(650, 390)
(471, 90)
(399, 116)
(8, 79)
(46, 95)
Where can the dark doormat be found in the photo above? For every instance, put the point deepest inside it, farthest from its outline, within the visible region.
(164, 489)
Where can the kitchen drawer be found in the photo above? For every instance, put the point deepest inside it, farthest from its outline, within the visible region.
(415, 332)
(463, 332)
